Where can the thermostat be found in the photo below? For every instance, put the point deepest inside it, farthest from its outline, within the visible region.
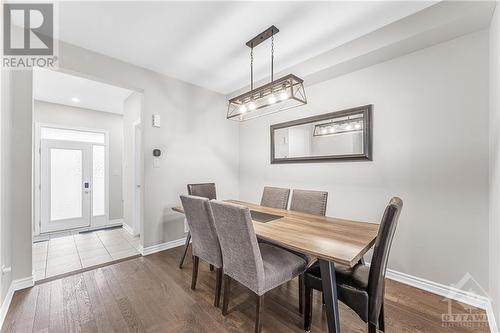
(156, 120)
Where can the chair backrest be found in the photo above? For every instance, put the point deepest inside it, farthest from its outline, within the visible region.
(204, 237)
(378, 266)
(205, 190)
(312, 202)
(275, 197)
(238, 242)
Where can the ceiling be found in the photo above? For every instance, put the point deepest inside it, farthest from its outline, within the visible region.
(204, 42)
(66, 89)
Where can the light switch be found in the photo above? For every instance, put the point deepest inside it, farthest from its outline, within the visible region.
(156, 120)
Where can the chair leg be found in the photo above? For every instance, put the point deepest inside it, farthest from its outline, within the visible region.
(188, 239)
(258, 313)
(227, 291)
(372, 328)
(301, 293)
(211, 268)
(308, 297)
(381, 319)
(194, 276)
(218, 285)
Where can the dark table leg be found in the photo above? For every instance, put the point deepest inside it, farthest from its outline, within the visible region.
(188, 239)
(330, 294)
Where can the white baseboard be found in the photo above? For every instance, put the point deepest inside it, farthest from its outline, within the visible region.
(162, 247)
(114, 222)
(450, 292)
(128, 229)
(14, 286)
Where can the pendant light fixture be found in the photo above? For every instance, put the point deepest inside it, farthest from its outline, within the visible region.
(278, 95)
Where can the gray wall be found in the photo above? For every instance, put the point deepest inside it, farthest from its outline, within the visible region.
(5, 171)
(51, 113)
(131, 115)
(197, 141)
(198, 145)
(430, 148)
(17, 173)
(495, 163)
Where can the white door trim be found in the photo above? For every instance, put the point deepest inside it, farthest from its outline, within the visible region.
(137, 201)
(37, 167)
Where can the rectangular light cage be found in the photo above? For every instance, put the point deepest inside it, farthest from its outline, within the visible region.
(282, 94)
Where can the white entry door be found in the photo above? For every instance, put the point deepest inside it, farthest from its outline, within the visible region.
(73, 189)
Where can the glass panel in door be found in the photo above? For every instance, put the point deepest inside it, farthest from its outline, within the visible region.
(66, 184)
(98, 181)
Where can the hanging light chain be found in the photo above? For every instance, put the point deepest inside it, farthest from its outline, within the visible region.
(272, 56)
(251, 68)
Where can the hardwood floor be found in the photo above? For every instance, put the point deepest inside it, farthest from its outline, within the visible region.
(151, 294)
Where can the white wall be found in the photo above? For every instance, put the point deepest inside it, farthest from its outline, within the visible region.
(131, 115)
(51, 113)
(5, 221)
(430, 147)
(495, 162)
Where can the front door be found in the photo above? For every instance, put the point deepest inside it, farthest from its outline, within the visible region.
(65, 185)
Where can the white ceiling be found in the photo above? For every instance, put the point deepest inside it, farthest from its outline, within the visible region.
(61, 88)
(204, 42)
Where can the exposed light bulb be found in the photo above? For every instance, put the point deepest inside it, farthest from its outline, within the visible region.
(348, 127)
(272, 99)
(284, 95)
(75, 100)
(251, 106)
(331, 130)
(357, 126)
(243, 109)
(323, 130)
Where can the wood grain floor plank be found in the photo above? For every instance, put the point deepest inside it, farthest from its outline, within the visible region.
(111, 304)
(70, 306)
(42, 315)
(87, 321)
(97, 305)
(56, 312)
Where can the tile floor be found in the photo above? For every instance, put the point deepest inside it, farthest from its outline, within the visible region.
(69, 253)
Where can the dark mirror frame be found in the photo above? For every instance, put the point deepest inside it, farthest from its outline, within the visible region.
(366, 110)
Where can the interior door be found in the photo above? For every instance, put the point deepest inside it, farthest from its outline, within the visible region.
(65, 185)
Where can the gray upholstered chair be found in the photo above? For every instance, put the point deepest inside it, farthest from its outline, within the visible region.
(258, 266)
(205, 242)
(204, 190)
(275, 197)
(311, 202)
(361, 287)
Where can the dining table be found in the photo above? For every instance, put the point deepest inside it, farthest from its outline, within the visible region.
(331, 240)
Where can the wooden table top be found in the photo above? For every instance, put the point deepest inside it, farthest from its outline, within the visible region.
(338, 240)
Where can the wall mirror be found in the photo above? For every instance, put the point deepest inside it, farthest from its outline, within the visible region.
(337, 136)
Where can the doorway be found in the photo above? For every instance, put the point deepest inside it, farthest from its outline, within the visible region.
(74, 177)
(86, 152)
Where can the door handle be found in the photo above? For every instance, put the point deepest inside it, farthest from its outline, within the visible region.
(86, 186)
